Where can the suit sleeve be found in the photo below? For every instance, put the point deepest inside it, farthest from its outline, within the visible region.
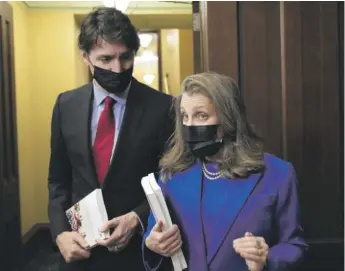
(166, 131)
(59, 178)
(291, 246)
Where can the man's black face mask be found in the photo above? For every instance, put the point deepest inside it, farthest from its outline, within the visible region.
(113, 82)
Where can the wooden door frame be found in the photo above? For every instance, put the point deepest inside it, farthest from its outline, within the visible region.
(10, 218)
(205, 41)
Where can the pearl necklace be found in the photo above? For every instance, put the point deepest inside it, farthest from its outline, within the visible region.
(210, 175)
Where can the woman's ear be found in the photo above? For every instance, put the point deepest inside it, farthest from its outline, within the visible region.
(220, 133)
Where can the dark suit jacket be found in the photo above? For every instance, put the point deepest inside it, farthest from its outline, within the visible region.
(146, 127)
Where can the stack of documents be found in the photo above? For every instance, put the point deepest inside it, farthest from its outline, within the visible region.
(160, 212)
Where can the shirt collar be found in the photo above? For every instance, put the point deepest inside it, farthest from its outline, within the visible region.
(100, 94)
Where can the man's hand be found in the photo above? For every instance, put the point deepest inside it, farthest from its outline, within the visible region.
(72, 246)
(124, 228)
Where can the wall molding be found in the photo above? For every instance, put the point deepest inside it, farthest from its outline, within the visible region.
(36, 240)
(33, 230)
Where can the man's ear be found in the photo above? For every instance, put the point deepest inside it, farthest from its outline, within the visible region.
(85, 57)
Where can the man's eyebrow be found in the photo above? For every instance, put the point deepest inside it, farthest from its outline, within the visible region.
(114, 55)
(105, 55)
(127, 53)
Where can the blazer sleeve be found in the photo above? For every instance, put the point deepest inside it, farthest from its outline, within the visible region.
(152, 261)
(165, 131)
(291, 244)
(59, 177)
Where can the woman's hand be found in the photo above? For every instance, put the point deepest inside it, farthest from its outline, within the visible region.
(164, 242)
(253, 249)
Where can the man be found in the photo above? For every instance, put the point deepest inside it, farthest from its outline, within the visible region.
(107, 134)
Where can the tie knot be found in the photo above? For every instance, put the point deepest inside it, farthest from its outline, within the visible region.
(109, 102)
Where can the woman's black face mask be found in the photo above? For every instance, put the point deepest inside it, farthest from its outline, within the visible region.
(202, 140)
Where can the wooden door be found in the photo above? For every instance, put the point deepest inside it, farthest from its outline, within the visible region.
(10, 233)
(287, 58)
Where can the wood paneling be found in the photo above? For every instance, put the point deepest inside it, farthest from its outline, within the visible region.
(313, 113)
(10, 233)
(289, 65)
(261, 69)
(220, 52)
(196, 38)
(314, 102)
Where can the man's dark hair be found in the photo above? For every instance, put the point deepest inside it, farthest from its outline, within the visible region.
(109, 24)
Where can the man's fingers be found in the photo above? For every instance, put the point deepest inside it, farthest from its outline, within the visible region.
(107, 242)
(80, 240)
(79, 252)
(122, 245)
(82, 253)
(104, 243)
(116, 235)
(110, 224)
(124, 239)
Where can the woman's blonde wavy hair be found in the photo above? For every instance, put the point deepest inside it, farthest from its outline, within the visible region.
(238, 158)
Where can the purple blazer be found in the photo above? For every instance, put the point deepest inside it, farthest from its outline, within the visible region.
(267, 205)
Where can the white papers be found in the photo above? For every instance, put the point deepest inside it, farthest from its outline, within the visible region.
(88, 215)
(160, 212)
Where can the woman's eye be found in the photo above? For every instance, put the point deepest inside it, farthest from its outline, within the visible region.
(202, 116)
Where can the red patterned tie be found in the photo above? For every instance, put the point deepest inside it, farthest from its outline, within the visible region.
(105, 135)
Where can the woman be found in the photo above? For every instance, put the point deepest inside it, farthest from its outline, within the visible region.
(235, 207)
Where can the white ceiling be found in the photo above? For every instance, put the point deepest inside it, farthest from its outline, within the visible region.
(135, 7)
